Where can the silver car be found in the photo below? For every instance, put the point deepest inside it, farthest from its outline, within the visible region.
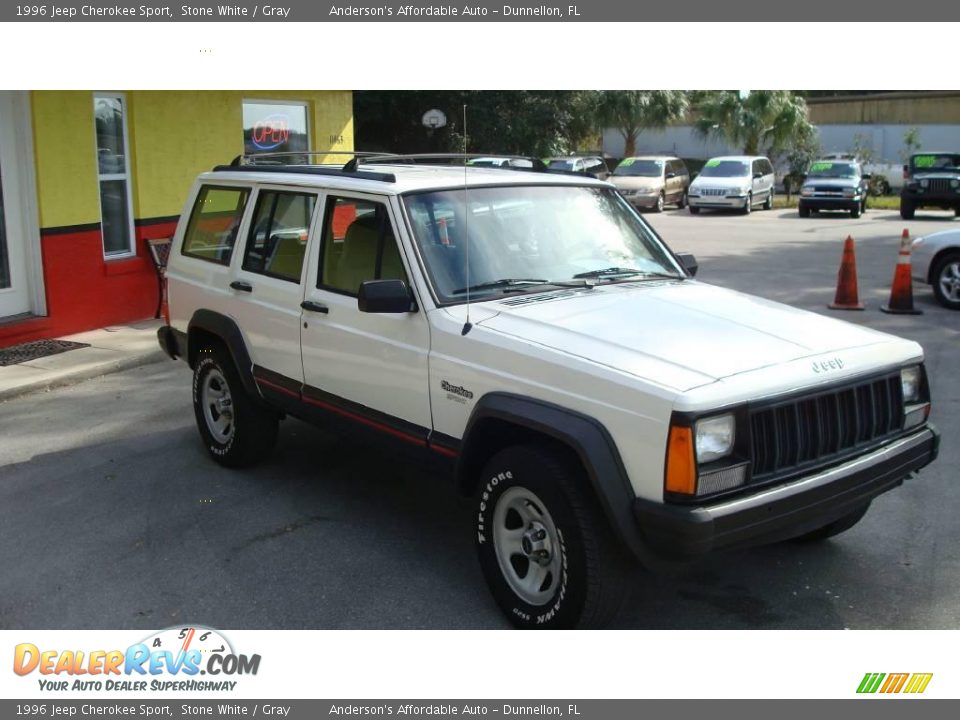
(936, 262)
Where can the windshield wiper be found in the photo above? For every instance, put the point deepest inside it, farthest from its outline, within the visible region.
(608, 271)
(502, 283)
(623, 272)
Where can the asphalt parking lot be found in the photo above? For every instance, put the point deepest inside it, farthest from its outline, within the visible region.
(113, 516)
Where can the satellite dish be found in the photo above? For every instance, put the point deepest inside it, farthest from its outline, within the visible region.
(434, 119)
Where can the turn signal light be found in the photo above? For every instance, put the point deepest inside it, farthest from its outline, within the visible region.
(681, 471)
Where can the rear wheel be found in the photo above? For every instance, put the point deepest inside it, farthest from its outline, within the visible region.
(946, 280)
(836, 527)
(236, 429)
(682, 202)
(546, 550)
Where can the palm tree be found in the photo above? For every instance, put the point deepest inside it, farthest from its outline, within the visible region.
(630, 111)
(770, 121)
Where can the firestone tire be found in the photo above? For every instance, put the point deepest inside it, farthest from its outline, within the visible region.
(546, 551)
(835, 528)
(236, 430)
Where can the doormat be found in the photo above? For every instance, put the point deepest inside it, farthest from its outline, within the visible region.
(37, 349)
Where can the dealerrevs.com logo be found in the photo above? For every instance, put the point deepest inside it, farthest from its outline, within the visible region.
(172, 659)
(888, 683)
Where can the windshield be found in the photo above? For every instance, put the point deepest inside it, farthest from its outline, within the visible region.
(523, 237)
(934, 162)
(641, 168)
(833, 170)
(725, 168)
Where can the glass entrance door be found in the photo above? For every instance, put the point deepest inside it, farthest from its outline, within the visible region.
(14, 282)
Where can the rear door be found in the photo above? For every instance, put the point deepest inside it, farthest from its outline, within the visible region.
(268, 278)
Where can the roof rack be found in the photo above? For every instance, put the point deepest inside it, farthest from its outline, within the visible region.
(268, 162)
(371, 158)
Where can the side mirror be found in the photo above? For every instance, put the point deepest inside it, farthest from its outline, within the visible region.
(385, 296)
(757, 176)
(866, 176)
(689, 263)
(671, 175)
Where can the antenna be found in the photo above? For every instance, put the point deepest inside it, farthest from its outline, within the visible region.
(466, 228)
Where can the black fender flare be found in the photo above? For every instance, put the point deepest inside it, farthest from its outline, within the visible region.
(582, 434)
(227, 330)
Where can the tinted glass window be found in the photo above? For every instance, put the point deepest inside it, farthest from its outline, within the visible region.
(358, 245)
(639, 168)
(214, 222)
(725, 168)
(935, 161)
(278, 234)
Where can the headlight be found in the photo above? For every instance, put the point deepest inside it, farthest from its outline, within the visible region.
(745, 189)
(849, 192)
(924, 183)
(715, 436)
(648, 191)
(806, 190)
(909, 383)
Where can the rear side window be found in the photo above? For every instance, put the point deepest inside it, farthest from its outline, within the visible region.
(214, 222)
(278, 234)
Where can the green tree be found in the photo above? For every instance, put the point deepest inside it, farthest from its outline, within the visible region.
(529, 122)
(631, 111)
(911, 143)
(764, 121)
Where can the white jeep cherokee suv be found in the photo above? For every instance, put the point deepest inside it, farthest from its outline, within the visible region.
(529, 332)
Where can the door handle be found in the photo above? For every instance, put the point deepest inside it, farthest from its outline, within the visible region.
(241, 286)
(314, 306)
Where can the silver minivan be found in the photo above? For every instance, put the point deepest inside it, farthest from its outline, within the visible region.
(739, 182)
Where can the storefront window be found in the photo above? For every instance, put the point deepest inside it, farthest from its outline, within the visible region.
(273, 127)
(109, 114)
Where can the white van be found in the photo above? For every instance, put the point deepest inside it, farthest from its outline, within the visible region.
(738, 182)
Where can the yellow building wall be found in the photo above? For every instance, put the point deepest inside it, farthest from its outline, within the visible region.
(173, 135)
(897, 108)
(65, 152)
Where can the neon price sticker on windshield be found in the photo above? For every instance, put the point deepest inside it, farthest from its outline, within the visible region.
(820, 166)
(627, 162)
(712, 163)
(925, 161)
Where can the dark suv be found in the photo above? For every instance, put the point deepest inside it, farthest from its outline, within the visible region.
(931, 179)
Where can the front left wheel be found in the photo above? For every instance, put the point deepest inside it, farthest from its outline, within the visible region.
(545, 549)
(235, 427)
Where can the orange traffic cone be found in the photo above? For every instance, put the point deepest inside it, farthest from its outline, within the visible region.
(847, 297)
(901, 294)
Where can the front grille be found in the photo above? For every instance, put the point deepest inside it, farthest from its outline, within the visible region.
(715, 191)
(815, 429)
(938, 185)
(833, 190)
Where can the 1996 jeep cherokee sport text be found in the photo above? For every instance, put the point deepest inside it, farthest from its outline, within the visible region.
(533, 334)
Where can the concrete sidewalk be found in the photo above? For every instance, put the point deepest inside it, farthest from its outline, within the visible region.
(111, 349)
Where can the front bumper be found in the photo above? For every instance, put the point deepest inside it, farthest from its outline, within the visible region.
(830, 203)
(717, 201)
(642, 201)
(678, 532)
(947, 201)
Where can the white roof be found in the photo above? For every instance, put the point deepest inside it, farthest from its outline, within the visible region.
(741, 158)
(408, 177)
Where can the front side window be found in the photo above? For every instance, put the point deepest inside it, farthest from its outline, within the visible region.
(519, 238)
(113, 174)
(358, 245)
(278, 235)
(214, 223)
(272, 127)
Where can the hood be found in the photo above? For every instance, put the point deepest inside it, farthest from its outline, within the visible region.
(720, 182)
(635, 182)
(681, 334)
